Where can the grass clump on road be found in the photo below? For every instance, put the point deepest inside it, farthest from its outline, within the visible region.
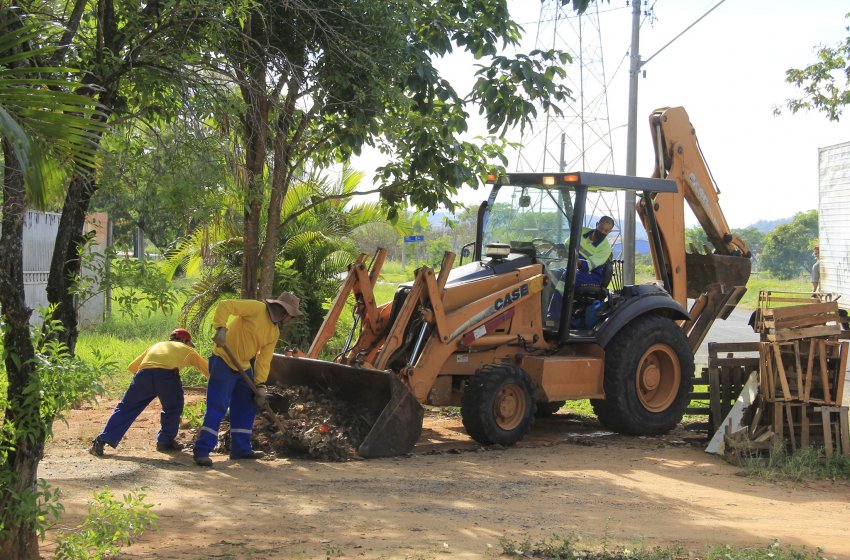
(570, 547)
(807, 463)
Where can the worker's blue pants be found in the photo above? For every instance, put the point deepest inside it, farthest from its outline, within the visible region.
(583, 278)
(147, 384)
(226, 388)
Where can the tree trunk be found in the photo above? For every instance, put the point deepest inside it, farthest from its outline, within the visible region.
(20, 469)
(66, 265)
(256, 120)
(280, 184)
(281, 178)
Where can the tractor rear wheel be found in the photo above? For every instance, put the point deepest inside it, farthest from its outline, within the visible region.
(498, 404)
(649, 372)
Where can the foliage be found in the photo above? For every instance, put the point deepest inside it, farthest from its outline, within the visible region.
(571, 547)
(824, 87)
(773, 551)
(62, 383)
(166, 180)
(193, 414)
(752, 237)
(135, 284)
(695, 236)
(110, 524)
(314, 248)
(787, 249)
(45, 125)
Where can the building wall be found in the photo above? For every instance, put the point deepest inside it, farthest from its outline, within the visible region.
(834, 220)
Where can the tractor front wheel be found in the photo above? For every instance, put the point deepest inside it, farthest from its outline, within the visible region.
(498, 405)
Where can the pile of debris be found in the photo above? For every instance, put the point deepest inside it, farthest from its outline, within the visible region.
(316, 425)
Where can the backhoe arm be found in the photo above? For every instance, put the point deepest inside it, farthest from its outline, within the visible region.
(716, 279)
(678, 157)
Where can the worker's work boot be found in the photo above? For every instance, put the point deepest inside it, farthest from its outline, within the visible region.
(252, 455)
(170, 446)
(203, 461)
(96, 448)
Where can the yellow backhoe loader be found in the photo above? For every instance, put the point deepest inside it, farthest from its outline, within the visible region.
(510, 335)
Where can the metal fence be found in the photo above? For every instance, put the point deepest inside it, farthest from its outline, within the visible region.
(39, 238)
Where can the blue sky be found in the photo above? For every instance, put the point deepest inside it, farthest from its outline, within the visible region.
(728, 72)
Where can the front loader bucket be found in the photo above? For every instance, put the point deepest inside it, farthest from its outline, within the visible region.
(379, 394)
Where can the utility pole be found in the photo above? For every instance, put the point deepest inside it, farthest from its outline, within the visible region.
(631, 150)
(635, 65)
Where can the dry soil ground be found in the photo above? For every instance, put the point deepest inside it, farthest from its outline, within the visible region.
(448, 499)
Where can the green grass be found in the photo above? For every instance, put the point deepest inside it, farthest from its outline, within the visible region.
(122, 338)
(763, 282)
(808, 463)
(392, 272)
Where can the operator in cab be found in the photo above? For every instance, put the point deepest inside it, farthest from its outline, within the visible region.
(594, 251)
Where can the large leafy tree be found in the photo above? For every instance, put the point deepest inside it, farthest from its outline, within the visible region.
(43, 127)
(825, 83)
(321, 84)
(787, 249)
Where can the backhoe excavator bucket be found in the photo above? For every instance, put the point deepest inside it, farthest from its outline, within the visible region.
(380, 395)
(707, 270)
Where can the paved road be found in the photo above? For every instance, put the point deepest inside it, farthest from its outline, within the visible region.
(733, 329)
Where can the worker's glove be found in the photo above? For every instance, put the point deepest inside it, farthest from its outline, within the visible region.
(261, 397)
(220, 338)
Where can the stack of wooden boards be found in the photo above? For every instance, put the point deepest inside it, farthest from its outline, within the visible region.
(802, 363)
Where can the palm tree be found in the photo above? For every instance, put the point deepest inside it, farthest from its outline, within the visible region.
(314, 249)
(42, 127)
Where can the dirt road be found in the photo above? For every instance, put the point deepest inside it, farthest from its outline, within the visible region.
(449, 498)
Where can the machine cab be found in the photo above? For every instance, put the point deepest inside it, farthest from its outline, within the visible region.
(541, 218)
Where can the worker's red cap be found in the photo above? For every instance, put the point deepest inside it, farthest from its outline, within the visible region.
(181, 335)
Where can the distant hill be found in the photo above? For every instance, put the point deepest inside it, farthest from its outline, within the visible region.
(766, 226)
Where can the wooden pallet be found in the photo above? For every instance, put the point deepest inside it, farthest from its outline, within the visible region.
(807, 371)
(835, 429)
(729, 366)
(797, 322)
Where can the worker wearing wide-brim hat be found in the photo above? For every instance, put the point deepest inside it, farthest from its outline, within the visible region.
(250, 338)
(156, 374)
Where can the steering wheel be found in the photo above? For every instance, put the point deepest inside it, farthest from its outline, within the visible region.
(542, 247)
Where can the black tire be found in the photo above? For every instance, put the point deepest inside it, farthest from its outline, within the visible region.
(546, 409)
(649, 375)
(498, 405)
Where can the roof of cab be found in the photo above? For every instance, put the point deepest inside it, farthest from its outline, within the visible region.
(593, 181)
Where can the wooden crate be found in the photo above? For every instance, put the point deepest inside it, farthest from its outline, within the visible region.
(770, 299)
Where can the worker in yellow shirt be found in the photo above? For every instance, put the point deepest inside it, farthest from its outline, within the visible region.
(250, 338)
(157, 374)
